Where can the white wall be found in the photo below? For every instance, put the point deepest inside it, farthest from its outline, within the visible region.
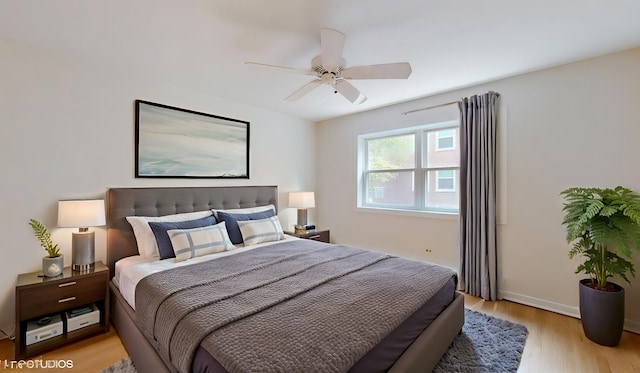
(573, 125)
(67, 132)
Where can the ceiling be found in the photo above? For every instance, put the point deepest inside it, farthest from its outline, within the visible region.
(204, 44)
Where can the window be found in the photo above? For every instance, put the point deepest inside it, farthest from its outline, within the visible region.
(445, 139)
(445, 181)
(411, 169)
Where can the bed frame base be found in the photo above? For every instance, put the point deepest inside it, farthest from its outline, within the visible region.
(435, 339)
(140, 351)
(425, 352)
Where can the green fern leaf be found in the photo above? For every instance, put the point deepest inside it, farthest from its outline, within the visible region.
(44, 236)
(608, 211)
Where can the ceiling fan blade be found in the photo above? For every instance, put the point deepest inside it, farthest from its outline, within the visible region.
(304, 90)
(350, 92)
(286, 68)
(332, 44)
(399, 70)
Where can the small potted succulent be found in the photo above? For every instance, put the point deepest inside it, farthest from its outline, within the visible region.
(53, 263)
(604, 227)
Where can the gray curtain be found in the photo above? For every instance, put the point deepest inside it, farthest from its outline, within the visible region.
(478, 249)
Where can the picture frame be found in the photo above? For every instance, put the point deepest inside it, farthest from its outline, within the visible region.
(172, 142)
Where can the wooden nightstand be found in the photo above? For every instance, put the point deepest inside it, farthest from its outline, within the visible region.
(38, 296)
(322, 236)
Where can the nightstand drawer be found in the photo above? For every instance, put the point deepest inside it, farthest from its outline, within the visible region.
(61, 295)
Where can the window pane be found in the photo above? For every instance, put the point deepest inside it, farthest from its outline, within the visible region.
(445, 133)
(442, 192)
(445, 139)
(445, 181)
(442, 150)
(445, 184)
(445, 173)
(388, 153)
(390, 188)
(445, 142)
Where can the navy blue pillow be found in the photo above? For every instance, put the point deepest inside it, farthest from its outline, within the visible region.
(162, 237)
(231, 220)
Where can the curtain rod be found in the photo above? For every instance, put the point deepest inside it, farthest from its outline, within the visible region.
(429, 107)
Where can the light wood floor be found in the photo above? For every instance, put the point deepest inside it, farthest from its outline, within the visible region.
(555, 344)
(88, 355)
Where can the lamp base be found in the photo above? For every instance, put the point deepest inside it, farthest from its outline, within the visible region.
(83, 251)
(302, 217)
(82, 267)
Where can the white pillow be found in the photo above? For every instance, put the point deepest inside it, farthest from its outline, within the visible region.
(194, 242)
(263, 230)
(147, 245)
(246, 210)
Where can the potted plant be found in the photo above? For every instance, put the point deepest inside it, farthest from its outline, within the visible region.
(53, 263)
(604, 227)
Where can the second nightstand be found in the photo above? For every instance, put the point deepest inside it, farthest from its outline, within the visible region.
(322, 236)
(38, 297)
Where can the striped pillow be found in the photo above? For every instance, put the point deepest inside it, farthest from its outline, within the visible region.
(262, 230)
(194, 242)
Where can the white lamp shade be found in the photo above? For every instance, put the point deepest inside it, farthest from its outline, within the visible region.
(302, 200)
(81, 214)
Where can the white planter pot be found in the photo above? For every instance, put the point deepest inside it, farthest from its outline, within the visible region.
(52, 267)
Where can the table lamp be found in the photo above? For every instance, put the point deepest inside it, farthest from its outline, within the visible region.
(302, 201)
(82, 215)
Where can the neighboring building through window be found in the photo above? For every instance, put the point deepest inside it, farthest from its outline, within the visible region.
(410, 169)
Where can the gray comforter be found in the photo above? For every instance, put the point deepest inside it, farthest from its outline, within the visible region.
(301, 306)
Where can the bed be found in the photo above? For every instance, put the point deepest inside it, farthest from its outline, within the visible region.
(419, 354)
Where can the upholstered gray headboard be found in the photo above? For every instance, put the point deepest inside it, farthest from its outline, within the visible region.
(123, 202)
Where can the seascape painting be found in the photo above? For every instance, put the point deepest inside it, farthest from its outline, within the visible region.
(177, 143)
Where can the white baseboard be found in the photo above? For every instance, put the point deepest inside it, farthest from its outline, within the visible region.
(563, 309)
(632, 326)
(560, 308)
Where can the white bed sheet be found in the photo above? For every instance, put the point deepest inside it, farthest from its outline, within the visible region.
(130, 270)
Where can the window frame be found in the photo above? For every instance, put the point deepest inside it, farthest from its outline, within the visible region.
(420, 171)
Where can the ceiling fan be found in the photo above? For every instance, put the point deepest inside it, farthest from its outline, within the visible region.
(330, 68)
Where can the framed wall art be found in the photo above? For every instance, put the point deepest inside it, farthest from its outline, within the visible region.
(178, 143)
